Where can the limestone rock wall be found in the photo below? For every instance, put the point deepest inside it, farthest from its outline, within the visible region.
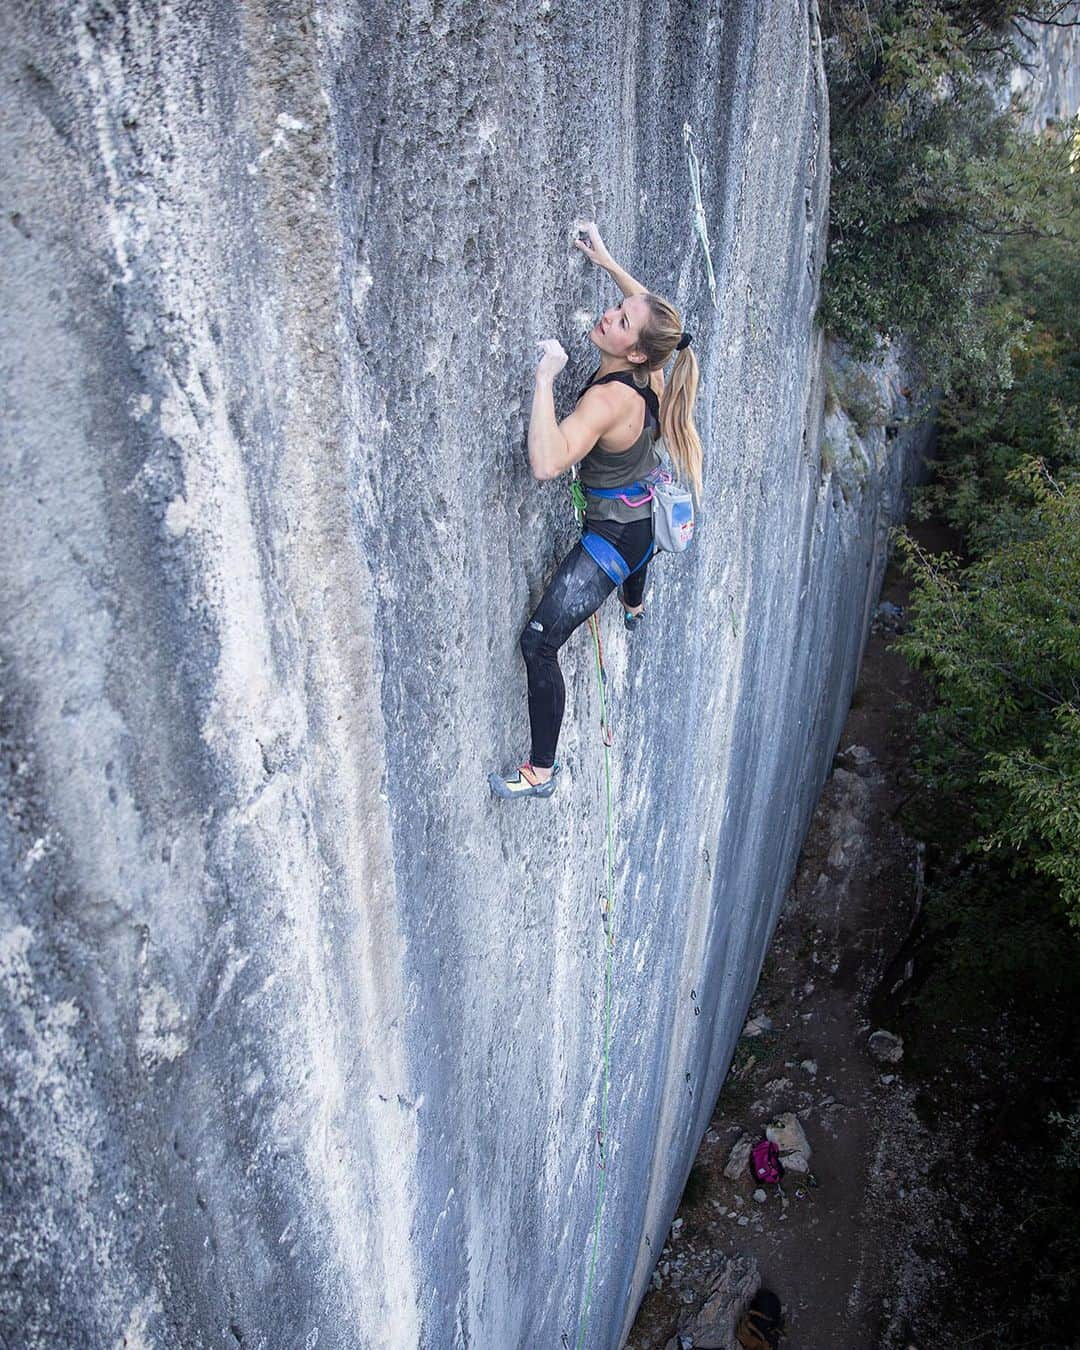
(300, 1030)
(1047, 85)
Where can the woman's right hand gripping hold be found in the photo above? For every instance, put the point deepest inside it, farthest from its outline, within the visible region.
(552, 359)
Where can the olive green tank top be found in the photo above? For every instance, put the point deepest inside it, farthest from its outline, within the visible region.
(619, 468)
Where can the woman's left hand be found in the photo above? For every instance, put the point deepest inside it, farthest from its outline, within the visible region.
(593, 246)
(552, 360)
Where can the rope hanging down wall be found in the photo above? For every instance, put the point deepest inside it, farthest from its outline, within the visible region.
(608, 915)
(701, 227)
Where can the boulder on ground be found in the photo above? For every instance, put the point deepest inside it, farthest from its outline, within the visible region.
(757, 1026)
(886, 1048)
(789, 1137)
(888, 618)
(738, 1162)
(728, 1295)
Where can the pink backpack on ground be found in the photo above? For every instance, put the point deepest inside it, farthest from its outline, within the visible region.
(765, 1161)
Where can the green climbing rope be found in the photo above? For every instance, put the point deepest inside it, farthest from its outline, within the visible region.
(608, 914)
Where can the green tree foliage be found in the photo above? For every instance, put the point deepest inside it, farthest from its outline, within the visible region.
(1001, 639)
(986, 434)
(928, 176)
(999, 630)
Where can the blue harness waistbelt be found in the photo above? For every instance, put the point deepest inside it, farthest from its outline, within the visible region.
(633, 494)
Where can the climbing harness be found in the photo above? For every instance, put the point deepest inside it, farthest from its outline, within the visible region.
(608, 558)
(672, 522)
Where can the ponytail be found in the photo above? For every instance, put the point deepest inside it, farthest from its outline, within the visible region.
(662, 335)
(677, 419)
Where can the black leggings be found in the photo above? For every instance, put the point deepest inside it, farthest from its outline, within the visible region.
(576, 590)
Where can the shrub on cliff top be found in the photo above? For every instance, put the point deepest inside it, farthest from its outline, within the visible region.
(927, 176)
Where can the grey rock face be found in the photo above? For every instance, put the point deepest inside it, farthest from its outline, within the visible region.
(301, 1031)
(1047, 85)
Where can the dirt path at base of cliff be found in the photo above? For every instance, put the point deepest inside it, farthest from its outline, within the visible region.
(831, 1245)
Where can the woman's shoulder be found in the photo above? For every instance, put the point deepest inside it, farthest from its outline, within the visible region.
(607, 396)
(617, 393)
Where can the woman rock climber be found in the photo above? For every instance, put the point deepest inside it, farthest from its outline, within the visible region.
(611, 433)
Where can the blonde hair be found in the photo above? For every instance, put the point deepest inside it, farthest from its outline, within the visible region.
(658, 339)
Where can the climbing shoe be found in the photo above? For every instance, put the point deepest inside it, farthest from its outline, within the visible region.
(523, 783)
(631, 620)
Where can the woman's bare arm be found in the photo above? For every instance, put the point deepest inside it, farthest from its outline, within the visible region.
(625, 282)
(596, 250)
(555, 446)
